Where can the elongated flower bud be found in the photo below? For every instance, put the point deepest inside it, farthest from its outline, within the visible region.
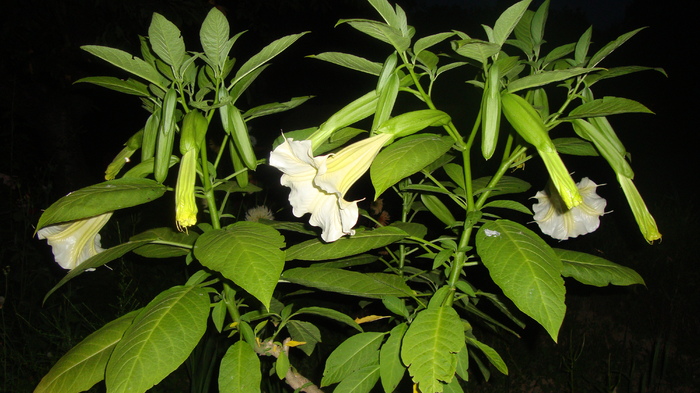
(529, 125)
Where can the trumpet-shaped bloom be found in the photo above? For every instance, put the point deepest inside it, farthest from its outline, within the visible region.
(559, 222)
(318, 184)
(74, 242)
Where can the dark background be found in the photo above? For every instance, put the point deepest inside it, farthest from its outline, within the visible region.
(56, 137)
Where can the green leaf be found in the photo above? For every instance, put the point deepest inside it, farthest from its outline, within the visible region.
(247, 253)
(380, 31)
(391, 369)
(546, 77)
(506, 185)
(592, 270)
(275, 107)
(282, 365)
(350, 61)
(356, 352)
(305, 332)
(101, 198)
(159, 340)
(369, 285)
(411, 122)
(582, 46)
(575, 146)
(129, 63)
(406, 157)
(165, 243)
(358, 260)
(265, 55)
(166, 41)
(360, 381)
(478, 50)
(508, 20)
(84, 365)
(607, 106)
(619, 71)
(526, 269)
(430, 347)
(508, 204)
(129, 86)
(240, 370)
(429, 41)
(214, 36)
(610, 47)
(387, 13)
(362, 241)
(439, 210)
(98, 260)
(493, 356)
(329, 313)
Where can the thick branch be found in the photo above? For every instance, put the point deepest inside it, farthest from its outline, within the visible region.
(292, 378)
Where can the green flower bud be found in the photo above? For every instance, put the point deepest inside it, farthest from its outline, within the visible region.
(527, 122)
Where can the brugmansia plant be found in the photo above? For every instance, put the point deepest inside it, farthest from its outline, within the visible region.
(414, 268)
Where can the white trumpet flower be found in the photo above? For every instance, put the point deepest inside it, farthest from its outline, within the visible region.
(555, 220)
(74, 242)
(319, 184)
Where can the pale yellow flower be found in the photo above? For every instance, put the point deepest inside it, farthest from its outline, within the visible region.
(559, 222)
(74, 242)
(319, 184)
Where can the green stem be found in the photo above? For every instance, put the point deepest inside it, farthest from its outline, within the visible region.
(209, 188)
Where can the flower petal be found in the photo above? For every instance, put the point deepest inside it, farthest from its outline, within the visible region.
(555, 220)
(74, 242)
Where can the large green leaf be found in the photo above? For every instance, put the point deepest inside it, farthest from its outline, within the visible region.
(391, 369)
(159, 340)
(593, 270)
(371, 285)
(101, 198)
(406, 157)
(247, 253)
(127, 62)
(352, 354)
(84, 365)
(240, 370)
(214, 36)
(166, 41)
(430, 347)
(526, 269)
(362, 241)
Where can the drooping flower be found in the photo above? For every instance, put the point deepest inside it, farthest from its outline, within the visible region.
(319, 184)
(74, 242)
(559, 222)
